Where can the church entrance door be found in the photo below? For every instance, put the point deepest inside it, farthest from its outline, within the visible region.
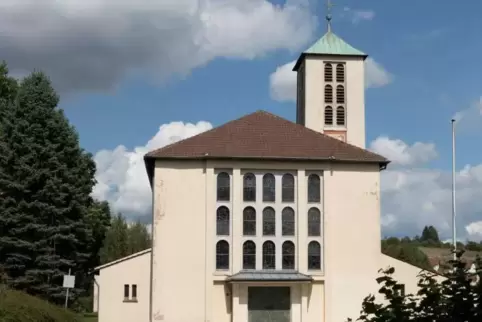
(269, 304)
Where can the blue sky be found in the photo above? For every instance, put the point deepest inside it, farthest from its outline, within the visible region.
(123, 74)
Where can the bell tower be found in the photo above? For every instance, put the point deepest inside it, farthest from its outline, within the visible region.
(331, 88)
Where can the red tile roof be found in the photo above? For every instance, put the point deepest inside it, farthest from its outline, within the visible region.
(262, 135)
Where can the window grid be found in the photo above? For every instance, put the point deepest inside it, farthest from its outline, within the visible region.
(269, 255)
(258, 230)
(222, 221)
(314, 255)
(288, 255)
(223, 189)
(249, 221)
(222, 255)
(335, 92)
(249, 255)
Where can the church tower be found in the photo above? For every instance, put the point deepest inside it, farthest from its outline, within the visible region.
(331, 88)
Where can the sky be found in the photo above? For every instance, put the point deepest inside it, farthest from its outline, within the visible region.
(137, 75)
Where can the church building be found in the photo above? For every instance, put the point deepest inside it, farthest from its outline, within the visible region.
(263, 219)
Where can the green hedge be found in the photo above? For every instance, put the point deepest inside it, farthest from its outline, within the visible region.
(16, 306)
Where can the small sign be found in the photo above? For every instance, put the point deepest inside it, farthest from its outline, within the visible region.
(69, 281)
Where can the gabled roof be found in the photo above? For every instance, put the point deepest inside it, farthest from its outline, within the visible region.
(123, 259)
(331, 45)
(262, 135)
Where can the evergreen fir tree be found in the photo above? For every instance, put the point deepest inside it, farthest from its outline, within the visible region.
(46, 180)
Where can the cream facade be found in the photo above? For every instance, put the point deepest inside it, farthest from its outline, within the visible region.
(122, 289)
(265, 220)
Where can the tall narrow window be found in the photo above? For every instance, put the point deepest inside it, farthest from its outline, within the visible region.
(288, 188)
(328, 115)
(314, 188)
(328, 94)
(269, 187)
(340, 94)
(340, 115)
(288, 253)
(223, 187)
(222, 255)
(249, 221)
(269, 222)
(340, 73)
(314, 222)
(314, 255)
(328, 73)
(249, 255)
(222, 221)
(269, 255)
(134, 291)
(249, 187)
(288, 222)
(126, 291)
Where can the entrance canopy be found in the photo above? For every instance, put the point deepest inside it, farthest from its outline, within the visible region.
(269, 276)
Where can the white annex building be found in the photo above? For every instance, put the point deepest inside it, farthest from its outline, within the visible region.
(262, 219)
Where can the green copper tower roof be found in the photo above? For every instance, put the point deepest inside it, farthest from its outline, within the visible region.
(331, 44)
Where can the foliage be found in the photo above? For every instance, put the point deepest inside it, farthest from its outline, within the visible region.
(8, 85)
(405, 251)
(45, 180)
(16, 306)
(430, 235)
(456, 298)
(123, 239)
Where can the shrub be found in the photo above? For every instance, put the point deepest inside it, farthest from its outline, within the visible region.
(16, 306)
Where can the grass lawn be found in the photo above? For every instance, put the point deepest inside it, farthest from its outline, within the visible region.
(90, 319)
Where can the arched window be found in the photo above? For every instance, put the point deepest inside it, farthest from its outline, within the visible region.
(340, 115)
(314, 188)
(328, 115)
(340, 94)
(223, 187)
(340, 73)
(249, 255)
(269, 187)
(288, 255)
(222, 255)
(314, 222)
(288, 188)
(269, 255)
(328, 73)
(249, 221)
(288, 222)
(269, 222)
(328, 94)
(222, 221)
(314, 255)
(249, 187)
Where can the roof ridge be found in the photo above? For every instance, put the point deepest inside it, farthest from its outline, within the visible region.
(148, 154)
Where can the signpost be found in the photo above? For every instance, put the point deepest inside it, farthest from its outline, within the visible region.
(69, 282)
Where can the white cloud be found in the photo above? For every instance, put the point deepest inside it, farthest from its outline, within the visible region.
(283, 80)
(358, 15)
(94, 44)
(375, 74)
(470, 119)
(400, 153)
(413, 197)
(121, 175)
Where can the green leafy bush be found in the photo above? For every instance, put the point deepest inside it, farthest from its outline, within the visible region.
(17, 306)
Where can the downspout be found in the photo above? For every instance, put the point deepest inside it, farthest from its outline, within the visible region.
(151, 273)
(98, 296)
(206, 189)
